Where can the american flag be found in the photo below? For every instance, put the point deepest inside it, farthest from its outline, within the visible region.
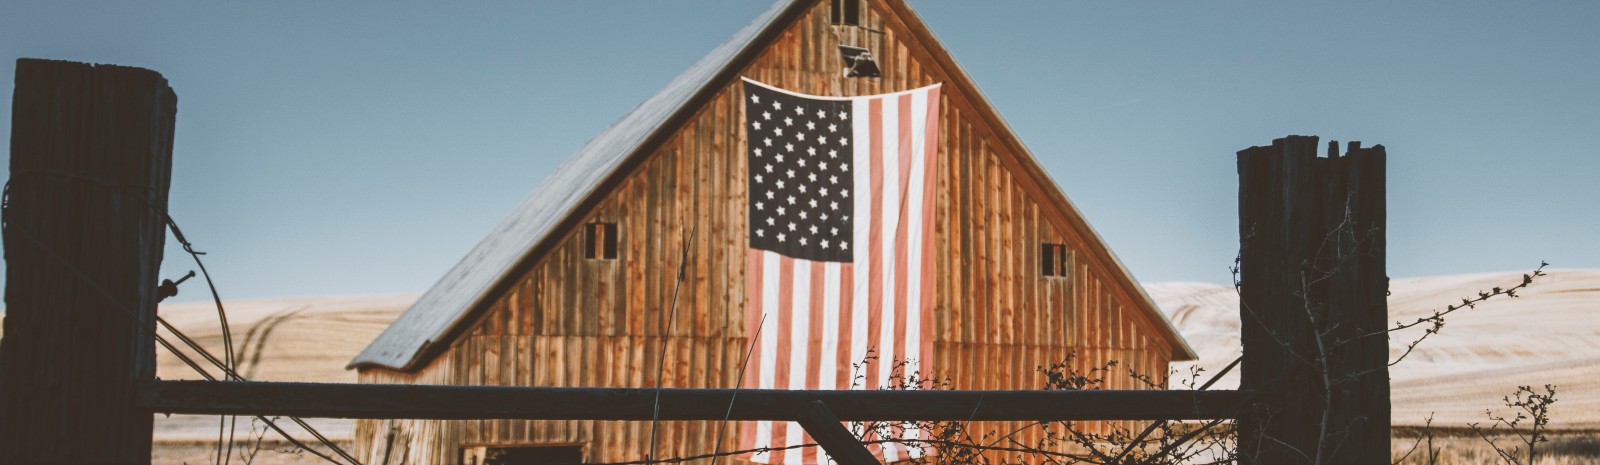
(841, 218)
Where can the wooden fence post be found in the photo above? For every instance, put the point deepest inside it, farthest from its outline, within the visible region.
(1313, 304)
(91, 162)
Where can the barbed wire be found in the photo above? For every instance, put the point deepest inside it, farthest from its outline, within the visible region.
(140, 323)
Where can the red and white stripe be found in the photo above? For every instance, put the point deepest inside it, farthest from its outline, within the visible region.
(824, 316)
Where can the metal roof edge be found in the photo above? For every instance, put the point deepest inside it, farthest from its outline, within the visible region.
(393, 348)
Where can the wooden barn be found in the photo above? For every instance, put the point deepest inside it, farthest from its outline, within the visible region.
(576, 286)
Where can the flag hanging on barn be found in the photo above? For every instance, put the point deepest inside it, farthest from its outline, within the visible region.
(841, 211)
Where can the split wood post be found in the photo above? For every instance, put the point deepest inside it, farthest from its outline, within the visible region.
(1313, 304)
(91, 161)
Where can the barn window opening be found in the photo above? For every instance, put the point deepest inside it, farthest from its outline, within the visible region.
(846, 12)
(522, 455)
(1054, 260)
(858, 62)
(600, 241)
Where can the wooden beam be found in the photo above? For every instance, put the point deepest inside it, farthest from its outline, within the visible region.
(843, 447)
(91, 161)
(552, 403)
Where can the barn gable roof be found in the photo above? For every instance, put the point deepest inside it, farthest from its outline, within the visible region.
(539, 219)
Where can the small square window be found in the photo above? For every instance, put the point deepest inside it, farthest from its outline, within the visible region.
(600, 241)
(1053, 260)
(846, 12)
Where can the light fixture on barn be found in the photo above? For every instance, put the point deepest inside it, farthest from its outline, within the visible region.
(858, 62)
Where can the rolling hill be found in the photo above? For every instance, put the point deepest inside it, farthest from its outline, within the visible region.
(1551, 334)
(1548, 335)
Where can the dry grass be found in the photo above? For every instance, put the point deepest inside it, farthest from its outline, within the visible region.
(1456, 448)
(199, 452)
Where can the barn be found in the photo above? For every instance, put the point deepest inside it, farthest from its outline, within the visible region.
(579, 285)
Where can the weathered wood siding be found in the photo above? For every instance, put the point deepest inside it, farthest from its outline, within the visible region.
(571, 321)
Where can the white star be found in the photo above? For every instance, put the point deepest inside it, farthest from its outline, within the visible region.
(824, 191)
(844, 167)
(800, 136)
(761, 233)
(791, 226)
(833, 205)
(791, 200)
(846, 218)
(844, 192)
(756, 124)
(788, 121)
(824, 243)
(813, 229)
(824, 217)
(755, 98)
(769, 166)
(812, 177)
(781, 211)
(781, 237)
(759, 180)
(833, 128)
(769, 195)
(844, 141)
(844, 115)
(802, 241)
(833, 179)
(843, 245)
(790, 173)
(812, 125)
(770, 221)
(777, 131)
(779, 157)
(811, 151)
(766, 115)
(802, 162)
(822, 114)
(799, 110)
(802, 214)
(821, 166)
(758, 152)
(768, 141)
(833, 153)
(822, 140)
(780, 183)
(833, 231)
(802, 188)
(761, 205)
(788, 147)
(776, 105)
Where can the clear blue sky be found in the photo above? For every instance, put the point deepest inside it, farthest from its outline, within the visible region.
(337, 148)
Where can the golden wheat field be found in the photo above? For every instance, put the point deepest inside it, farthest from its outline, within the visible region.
(1550, 335)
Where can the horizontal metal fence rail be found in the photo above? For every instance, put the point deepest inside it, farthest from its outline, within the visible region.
(378, 401)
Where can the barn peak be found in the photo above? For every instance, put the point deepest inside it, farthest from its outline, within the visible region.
(563, 203)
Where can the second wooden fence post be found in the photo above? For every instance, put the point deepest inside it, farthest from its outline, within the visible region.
(1313, 304)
